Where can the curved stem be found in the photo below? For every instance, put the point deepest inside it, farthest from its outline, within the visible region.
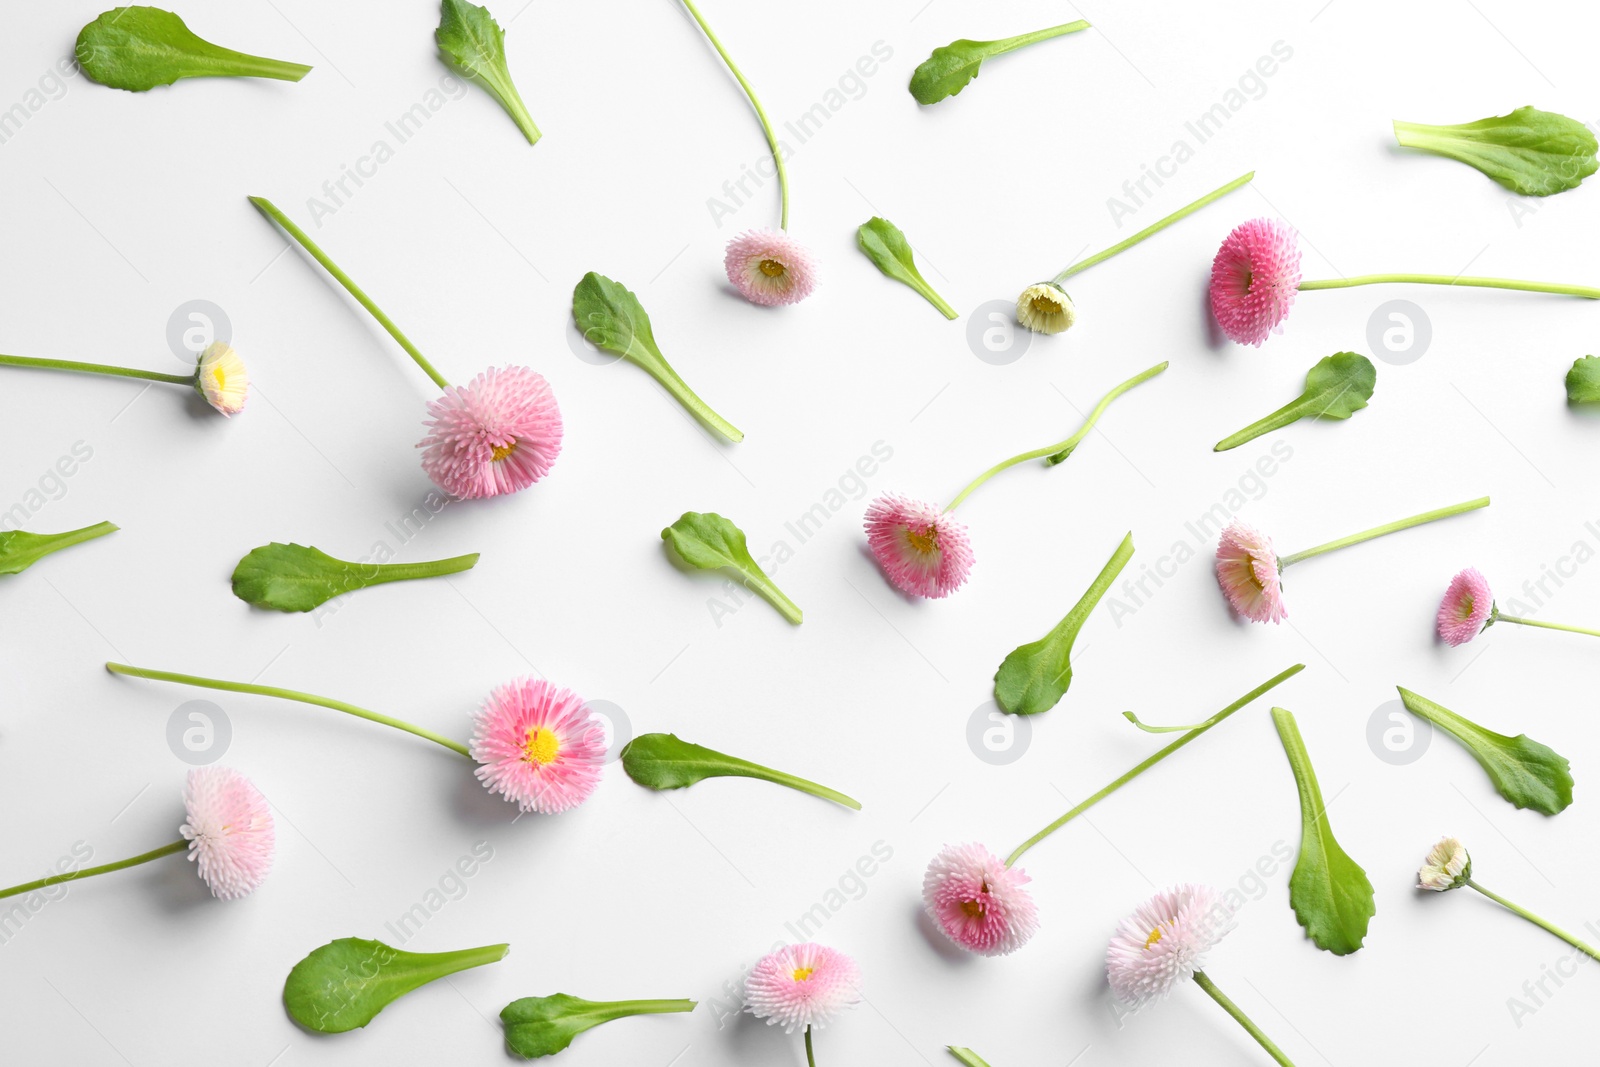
(289, 694)
(95, 368)
(1544, 625)
(1152, 760)
(811, 1057)
(804, 785)
(766, 124)
(90, 872)
(1241, 1018)
(1531, 917)
(1587, 292)
(401, 572)
(1154, 228)
(1387, 528)
(1011, 44)
(269, 209)
(1061, 449)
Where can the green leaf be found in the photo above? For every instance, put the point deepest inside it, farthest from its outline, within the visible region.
(472, 42)
(664, 761)
(139, 48)
(1532, 152)
(1329, 892)
(710, 542)
(1034, 677)
(20, 550)
(1528, 774)
(543, 1026)
(610, 317)
(887, 247)
(296, 578)
(1583, 381)
(344, 984)
(1336, 388)
(949, 69)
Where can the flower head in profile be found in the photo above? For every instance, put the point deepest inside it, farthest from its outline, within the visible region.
(220, 377)
(1165, 942)
(1046, 308)
(1247, 570)
(802, 986)
(1447, 867)
(1254, 280)
(538, 745)
(500, 434)
(1466, 607)
(770, 268)
(922, 550)
(229, 830)
(978, 901)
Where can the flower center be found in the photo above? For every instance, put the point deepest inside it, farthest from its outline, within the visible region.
(1466, 607)
(1155, 936)
(973, 909)
(925, 543)
(803, 974)
(542, 746)
(500, 452)
(771, 268)
(1043, 305)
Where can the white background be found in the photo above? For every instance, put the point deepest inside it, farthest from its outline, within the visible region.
(120, 207)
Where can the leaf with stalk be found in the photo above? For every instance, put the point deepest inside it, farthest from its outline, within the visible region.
(1532, 152)
(950, 68)
(710, 542)
(1336, 388)
(1526, 773)
(664, 761)
(472, 43)
(345, 984)
(299, 578)
(883, 243)
(20, 550)
(611, 317)
(139, 48)
(544, 1026)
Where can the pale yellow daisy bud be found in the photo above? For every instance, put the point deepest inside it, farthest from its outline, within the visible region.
(222, 379)
(1447, 867)
(1046, 308)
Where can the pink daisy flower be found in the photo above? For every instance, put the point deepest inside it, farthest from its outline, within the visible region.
(770, 268)
(1254, 280)
(1165, 942)
(802, 986)
(978, 901)
(500, 434)
(229, 830)
(922, 550)
(1247, 570)
(538, 745)
(1466, 607)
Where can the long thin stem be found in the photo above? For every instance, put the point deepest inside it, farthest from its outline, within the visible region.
(811, 1057)
(1011, 44)
(1154, 228)
(1061, 449)
(289, 694)
(803, 785)
(761, 113)
(269, 209)
(90, 872)
(96, 368)
(1543, 625)
(401, 572)
(1241, 1018)
(670, 380)
(1152, 760)
(1586, 949)
(1387, 528)
(1585, 291)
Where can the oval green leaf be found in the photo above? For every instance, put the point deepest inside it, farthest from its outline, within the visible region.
(345, 984)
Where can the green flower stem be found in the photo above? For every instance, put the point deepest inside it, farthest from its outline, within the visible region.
(1587, 292)
(1241, 1018)
(1153, 228)
(1497, 617)
(96, 368)
(1388, 528)
(761, 113)
(289, 694)
(662, 372)
(90, 872)
(967, 1056)
(401, 572)
(1061, 449)
(1152, 760)
(269, 209)
(811, 1057)
(1586, 949)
